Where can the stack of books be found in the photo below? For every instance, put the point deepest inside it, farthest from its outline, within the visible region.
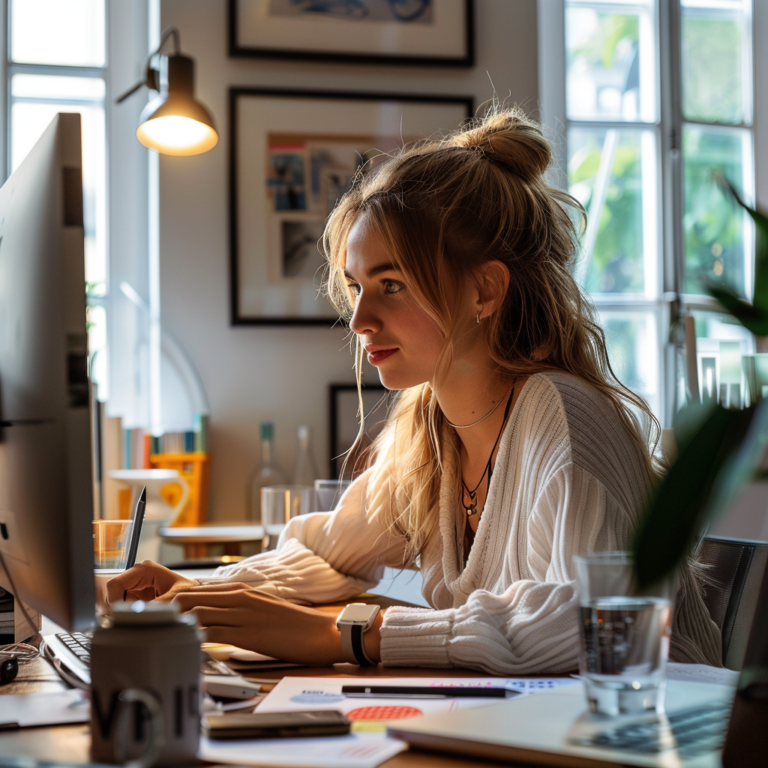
(117, 447)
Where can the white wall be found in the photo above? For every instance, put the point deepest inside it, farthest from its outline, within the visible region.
(252, 373)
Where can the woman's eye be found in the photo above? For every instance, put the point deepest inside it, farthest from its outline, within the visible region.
(392, 287)
(354, 287)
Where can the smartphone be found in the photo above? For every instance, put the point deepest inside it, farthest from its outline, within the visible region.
(275, 725)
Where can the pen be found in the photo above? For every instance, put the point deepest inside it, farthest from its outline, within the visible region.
(138, 519)
(423, 692)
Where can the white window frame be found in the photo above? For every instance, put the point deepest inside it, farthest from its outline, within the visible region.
(552, 93)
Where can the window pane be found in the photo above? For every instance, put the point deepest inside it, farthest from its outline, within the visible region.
(613, 174)
(66, 32)
(28, 121)
(713, 42)
(633, 348)
(56, 87)
(715, 228)
(610, 65)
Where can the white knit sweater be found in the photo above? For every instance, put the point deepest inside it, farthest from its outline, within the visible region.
(567, 480)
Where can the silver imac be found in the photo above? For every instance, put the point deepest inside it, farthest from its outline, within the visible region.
(46, 488)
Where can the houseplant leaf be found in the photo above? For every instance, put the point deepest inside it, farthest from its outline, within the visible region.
(718, 459)
(730, 299)
(752, 316)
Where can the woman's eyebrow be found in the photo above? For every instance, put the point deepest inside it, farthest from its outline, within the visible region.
(373, 271)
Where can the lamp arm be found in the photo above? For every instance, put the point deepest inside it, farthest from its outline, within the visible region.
(151, 75)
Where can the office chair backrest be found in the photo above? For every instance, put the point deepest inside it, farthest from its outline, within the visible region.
(734, 573)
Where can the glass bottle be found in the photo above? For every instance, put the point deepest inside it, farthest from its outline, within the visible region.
(305, 472)
(267, 473)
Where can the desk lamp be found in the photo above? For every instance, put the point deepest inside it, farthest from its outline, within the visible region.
(174, 122)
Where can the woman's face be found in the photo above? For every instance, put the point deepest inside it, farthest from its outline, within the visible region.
(399, 337)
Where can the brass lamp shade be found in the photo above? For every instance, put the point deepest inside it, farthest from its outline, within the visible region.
(175, 123)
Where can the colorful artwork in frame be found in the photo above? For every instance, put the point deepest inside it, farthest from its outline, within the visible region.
(411, 32)
(293, 154)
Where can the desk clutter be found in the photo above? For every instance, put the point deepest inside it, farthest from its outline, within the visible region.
(368, 744)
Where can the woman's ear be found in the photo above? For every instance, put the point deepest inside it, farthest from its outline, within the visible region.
(492, 286)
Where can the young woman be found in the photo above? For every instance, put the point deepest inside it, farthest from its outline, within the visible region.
(512, 446)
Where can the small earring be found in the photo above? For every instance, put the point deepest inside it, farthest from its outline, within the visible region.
(478, 318)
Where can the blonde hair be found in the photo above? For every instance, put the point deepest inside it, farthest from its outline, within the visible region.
(443, 207)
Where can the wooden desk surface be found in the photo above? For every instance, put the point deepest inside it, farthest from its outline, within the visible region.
(71, 743)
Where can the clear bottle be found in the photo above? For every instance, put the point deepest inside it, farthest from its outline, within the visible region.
(267, 473)
(305, 472)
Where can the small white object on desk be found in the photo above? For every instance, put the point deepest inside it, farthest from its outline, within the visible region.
(25, 710)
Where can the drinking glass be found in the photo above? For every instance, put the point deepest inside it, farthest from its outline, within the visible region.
(624, 634)
(110, 538)
(281, 503)
(328, 493)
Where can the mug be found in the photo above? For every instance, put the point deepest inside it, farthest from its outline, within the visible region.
(145, 686)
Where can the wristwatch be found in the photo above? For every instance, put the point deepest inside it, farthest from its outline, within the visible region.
(353, 621)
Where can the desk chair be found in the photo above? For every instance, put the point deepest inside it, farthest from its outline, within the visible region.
(734, 572)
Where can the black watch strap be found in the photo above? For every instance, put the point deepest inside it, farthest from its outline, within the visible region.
(357, 645)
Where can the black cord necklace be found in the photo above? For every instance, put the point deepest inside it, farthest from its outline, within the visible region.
(471, 510)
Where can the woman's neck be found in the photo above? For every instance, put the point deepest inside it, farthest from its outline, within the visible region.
(467, 402)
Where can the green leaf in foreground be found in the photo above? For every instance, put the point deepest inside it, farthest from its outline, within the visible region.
(752, 317)
(718, 459)
(760, 296)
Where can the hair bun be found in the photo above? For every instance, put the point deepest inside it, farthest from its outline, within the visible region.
(508, 137)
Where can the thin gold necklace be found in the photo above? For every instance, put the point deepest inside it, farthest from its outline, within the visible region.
(475, 423)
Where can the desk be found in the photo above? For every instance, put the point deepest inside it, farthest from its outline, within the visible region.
(71, 743)
(196, 540)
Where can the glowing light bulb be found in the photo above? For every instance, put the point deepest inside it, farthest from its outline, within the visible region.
(176, 135)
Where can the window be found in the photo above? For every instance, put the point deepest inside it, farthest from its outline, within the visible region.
(57, 63)
(653, 97)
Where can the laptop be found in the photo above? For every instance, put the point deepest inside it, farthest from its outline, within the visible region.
(704, 725)
(555, 728)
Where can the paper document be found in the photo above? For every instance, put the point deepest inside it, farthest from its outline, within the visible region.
(24, 710)
(701, 673)
(368, 745)
(358, 750)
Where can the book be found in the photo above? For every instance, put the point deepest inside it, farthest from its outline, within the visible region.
(112, 458)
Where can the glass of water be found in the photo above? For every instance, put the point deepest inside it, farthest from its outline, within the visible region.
(279, 504)
(624, 635)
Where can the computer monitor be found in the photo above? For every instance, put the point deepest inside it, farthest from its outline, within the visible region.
(46, 488)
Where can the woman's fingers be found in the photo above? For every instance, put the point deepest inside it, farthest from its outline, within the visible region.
(224, 617)
(221, 599)
(133, 580)
(223, 586)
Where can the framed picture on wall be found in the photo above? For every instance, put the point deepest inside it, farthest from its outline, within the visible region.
(411, 32)
(344, 406)
(293, 154)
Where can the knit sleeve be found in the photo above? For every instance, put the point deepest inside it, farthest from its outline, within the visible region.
(532, 626)
(328, 556)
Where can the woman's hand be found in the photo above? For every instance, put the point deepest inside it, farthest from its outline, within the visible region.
(147, 581)
(242, 616)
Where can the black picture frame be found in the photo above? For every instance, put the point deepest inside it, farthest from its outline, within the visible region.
(342, 410)
(260, 292)
(464, 58)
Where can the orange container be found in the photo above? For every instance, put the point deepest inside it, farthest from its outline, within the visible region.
(195, 468)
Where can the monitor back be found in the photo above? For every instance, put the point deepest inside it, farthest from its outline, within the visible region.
(46, 488)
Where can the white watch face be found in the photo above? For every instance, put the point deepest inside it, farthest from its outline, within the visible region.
(358, 613)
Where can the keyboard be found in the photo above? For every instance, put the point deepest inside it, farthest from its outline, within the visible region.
(693, 731)
(79, 646)
(79, 643)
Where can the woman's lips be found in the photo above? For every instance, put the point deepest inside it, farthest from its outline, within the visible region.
(382, 354)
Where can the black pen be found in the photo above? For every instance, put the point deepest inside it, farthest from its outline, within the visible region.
(424, 692)
(138, 519)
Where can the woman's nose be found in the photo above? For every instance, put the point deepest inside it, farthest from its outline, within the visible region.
(365, 320)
